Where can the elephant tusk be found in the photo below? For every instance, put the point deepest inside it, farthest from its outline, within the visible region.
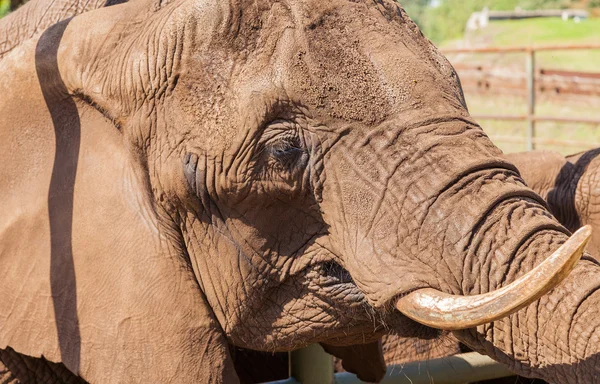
(452, 312)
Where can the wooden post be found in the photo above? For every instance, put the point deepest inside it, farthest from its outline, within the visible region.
(530, 99)
(311, 365)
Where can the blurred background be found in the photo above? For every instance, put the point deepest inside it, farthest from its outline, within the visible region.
(548, 98)
(530, 69)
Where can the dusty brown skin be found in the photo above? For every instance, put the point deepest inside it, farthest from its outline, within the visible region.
(195, 175)
(19, 26)
(570, 185)
(250, 366)
(35, 16)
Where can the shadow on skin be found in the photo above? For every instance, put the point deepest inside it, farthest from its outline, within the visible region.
(561, 198)
(67, 127)
(260, 367)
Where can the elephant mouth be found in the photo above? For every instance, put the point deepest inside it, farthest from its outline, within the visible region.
(334, 273)
(336, 281)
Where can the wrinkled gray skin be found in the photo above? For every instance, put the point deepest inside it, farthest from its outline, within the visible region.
(264, 175)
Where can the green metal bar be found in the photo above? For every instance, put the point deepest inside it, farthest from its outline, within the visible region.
(464, 368)
(311, 365)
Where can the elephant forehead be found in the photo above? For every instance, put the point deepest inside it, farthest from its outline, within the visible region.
(331, 72)
(368, 62)
(318, 54)
(346, 61)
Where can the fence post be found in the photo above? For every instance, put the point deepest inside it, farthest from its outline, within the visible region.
(311, 365)
(530, 98)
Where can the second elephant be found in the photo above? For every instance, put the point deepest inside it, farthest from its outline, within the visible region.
(570, 185)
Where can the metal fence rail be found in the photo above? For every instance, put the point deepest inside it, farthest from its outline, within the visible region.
(551, 83)
(531, 117)
(313, 366)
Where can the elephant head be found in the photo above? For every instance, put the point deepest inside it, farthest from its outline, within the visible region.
(205, 174)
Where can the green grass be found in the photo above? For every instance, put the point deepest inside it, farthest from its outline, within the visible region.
(4, 7)
(545, 31)
(548, 31)
(542, 31)
(506, 105)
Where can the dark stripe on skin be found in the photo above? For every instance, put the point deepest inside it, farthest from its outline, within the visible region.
(67, 130)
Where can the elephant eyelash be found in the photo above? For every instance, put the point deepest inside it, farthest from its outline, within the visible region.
(288, 152)
(282, 144)
(285, 149)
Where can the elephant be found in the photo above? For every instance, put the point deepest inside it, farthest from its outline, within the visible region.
(568, 184)
(251, 366)
(196, 176)
(33, 17)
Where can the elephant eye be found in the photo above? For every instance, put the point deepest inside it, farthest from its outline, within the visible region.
(288, 152)
(283, 157)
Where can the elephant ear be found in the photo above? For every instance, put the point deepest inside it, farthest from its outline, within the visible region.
(124, 58)
(364, 360)
(89, 276)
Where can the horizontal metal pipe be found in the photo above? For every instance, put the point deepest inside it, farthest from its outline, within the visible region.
(501, 117)
(290, 380)
(461, 368)
(563, 73)
(542, 71)
(580, 120)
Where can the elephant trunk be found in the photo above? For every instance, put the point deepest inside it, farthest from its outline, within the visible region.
(453, 312)
(468, 227)
(437, 229)
(556, 338)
